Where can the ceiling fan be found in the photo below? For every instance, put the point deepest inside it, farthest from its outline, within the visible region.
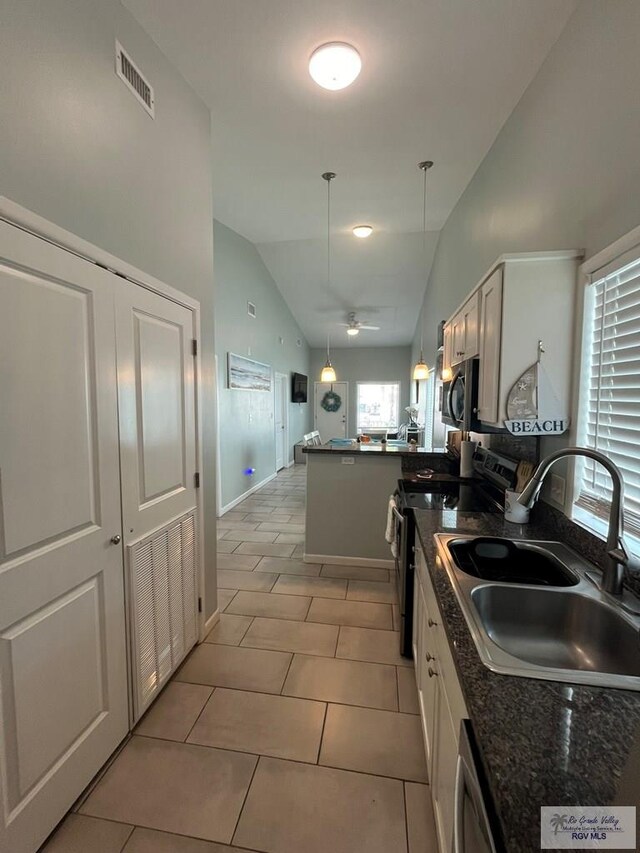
(354, 326)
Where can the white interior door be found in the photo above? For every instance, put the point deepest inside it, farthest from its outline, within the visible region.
(331, 424)
(156, 389)
(63, 680)
(280, 406)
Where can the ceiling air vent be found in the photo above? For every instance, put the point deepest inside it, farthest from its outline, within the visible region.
(251, 309)
(131, 76)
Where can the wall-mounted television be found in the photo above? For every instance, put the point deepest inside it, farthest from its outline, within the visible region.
(298, 388)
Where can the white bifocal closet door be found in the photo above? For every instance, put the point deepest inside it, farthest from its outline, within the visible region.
(63, 679)
(156, 391)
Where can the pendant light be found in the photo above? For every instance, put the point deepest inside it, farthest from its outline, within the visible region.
(421, 370)
(328, 373)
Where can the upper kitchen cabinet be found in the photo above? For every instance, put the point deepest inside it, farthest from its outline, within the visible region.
(461, 333)
(525, 299)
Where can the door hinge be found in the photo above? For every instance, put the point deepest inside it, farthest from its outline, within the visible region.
(196, 479)
(199, 604)
(194, 347)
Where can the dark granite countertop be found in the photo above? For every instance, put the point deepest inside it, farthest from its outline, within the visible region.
(375, 448)
(541, 742)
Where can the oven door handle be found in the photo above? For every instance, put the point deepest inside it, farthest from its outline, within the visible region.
(458, 805)
(398, 515)
(467, 783)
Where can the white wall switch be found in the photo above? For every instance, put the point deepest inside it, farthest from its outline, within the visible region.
(348, 460)
(557, 491)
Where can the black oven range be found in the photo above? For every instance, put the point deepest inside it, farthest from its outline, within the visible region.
(444, 493)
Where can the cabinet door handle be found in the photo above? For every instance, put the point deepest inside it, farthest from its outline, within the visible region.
(429, 657)
(431, 623)
(431, 672)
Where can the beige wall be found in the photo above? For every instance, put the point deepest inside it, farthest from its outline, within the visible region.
(564, 171)
(365, 364)
(78, 149)
(247, 438)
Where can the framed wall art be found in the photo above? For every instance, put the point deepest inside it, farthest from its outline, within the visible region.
(244, 374)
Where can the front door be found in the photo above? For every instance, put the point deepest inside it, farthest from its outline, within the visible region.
(63, 679)
(330, 409)
(280, 403)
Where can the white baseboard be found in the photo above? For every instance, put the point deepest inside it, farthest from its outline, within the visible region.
(212, 621)
(333, 560)
(246, 494)
(290, 464)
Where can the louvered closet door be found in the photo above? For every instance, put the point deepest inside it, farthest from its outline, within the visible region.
(156, 391)
(63, 678)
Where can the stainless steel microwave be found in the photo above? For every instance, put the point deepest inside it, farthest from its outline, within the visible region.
(460, 397)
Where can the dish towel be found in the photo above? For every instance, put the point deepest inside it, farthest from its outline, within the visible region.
(390, 532)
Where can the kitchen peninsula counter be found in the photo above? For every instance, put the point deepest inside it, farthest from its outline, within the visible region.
(373, 448)
(348, 490)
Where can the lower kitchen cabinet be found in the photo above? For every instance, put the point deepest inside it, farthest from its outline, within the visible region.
(442, 705)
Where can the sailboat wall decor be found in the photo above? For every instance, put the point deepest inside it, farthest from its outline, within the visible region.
(532, 405)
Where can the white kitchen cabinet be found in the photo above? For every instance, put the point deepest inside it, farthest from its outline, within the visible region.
(490, 340)
(527, 298)
(464, 330)
(442, 705)
(424, 663)
(523, 299)
(447, 354)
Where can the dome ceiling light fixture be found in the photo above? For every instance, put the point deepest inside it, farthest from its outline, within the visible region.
(362, 231)
(335, 65)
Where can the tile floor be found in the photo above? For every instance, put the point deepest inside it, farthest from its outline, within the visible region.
(294, 727)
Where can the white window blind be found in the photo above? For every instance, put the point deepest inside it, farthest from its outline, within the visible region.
(610, 393)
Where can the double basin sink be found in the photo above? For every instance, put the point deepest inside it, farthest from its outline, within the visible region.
(534, 609)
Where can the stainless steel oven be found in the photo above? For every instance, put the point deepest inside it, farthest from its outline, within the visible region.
(474, 827)
(460, 397)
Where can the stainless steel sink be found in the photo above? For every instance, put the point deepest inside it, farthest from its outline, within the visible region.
(574, 634)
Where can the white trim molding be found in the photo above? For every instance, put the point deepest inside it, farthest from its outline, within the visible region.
(211, 623)
(246, 494)
(334, 560)
(15, 214)
(610, 253)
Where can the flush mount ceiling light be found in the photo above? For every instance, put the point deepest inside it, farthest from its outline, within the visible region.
(362, 231)
(421, 370)
(335, 65)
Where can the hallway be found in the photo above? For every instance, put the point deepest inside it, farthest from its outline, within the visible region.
(293, 728)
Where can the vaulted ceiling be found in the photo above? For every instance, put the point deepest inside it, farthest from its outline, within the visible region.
(439, 78)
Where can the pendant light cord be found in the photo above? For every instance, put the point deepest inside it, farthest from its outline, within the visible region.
(425, 166)
(329, 237)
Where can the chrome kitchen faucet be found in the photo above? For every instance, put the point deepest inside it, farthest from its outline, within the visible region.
(618, 557)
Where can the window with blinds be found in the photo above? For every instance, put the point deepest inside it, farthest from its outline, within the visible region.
(610, 388)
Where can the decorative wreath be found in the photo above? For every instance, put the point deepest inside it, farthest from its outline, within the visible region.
(331, 401)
